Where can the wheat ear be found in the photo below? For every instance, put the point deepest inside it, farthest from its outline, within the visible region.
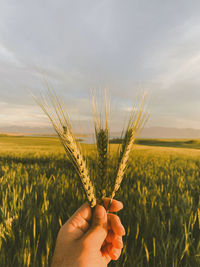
(54, 109)
(102, 142)
(136, 122)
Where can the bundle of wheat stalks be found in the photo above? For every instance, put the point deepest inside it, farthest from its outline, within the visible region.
(54, 108)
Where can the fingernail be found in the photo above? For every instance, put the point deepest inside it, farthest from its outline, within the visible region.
(123, 230)
(99, 212)
(115, 255)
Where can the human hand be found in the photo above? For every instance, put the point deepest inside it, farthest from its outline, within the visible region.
(90, 240)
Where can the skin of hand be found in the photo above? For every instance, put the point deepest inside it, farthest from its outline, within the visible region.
(90, 239)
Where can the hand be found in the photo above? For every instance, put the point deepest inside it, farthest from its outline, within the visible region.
(87, 240)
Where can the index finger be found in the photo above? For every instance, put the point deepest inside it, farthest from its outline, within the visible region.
(115, 204)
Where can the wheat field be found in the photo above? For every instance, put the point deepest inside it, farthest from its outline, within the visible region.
(39, 191)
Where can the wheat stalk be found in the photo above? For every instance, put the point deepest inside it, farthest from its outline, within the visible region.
(55, 111)
(102, 142)
(137, 121)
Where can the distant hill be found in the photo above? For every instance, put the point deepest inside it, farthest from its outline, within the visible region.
(162, 132)
(23, 130)
(151, 132)
(178, 143)
(166, 133)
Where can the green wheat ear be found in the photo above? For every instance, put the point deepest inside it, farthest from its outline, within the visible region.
(55, 111)
(102, 141)
(136, 123)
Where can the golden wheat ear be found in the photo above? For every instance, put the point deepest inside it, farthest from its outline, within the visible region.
(136, 122)
(101, 126)
(55, 111)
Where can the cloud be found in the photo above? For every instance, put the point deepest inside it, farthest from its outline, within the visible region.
(7, 55)
(26, 115)
(124, 46)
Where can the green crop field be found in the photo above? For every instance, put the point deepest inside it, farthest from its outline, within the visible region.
(39, 191)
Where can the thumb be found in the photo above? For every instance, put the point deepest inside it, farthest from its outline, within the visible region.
(98, 230)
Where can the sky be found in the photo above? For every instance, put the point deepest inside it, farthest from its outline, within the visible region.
(127, 47)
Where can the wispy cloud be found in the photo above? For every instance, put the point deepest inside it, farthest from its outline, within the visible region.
(24, 115)
(8, 56)
(85, 45)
